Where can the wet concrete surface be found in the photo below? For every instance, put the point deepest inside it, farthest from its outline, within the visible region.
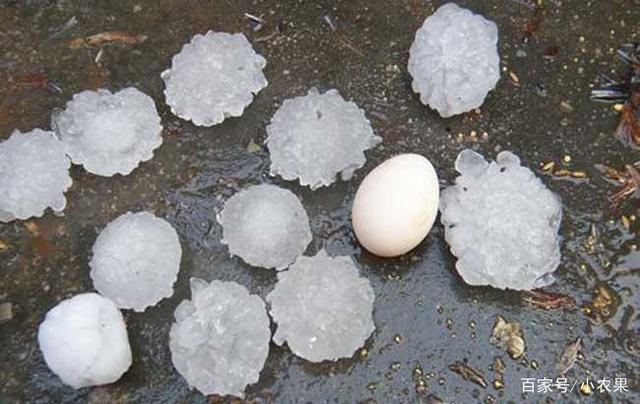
(426, 317)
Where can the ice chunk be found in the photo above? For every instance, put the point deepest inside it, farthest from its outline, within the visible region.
(136, 260)
(314, 137)
(220, 340)
(34, 175)
(266, 226)
(454, 60)
(213, 77)
(502, 223)
(84, 341)
(109, 133)
(323, 308)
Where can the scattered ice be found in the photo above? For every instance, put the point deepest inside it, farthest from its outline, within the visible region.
(84, 341)
(213, 77)
(136, 260)
(454, 60)
(266, 226)
(323, 308)
(109, 133)
(220, 340)
(502, 223)
(34, 175)
(314, 137)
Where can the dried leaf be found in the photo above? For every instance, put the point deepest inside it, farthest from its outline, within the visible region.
(548, 300)
(628, 128)
(468, 373)
(509, 334)
(569, 357)
(108, 37)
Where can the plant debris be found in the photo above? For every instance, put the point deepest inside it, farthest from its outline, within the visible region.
(108, 37)
(604, 304)
(468, 373)
(498, 368)
(548, 300)
(569, 356)
(508, 334)
(6, 312)
(628, 181)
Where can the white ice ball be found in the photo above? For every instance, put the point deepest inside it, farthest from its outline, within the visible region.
(454, 60)
(34, 175)
(136, 260)
(502, 223)
(109, 133)
(214, 76)
(395, 205)
(84, 341)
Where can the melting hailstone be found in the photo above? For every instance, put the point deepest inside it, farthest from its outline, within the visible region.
(502, 223)
(322, 307)
(266, 226)
(454, 60)
(136, 260)
(34, 175)
(109, 133)
(213, 77)
(220, 339)
(314, 137)
(84, 341)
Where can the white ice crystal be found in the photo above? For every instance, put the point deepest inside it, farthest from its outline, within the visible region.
(454, 60)
(502, 223)
(220, 340)
(34, 174)
(213, 77)
(266, 226)
(314, 137)
(322, 307)
(136, 260)
(84, 341)
(109, 133)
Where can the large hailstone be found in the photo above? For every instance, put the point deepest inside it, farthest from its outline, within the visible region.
(84, 341)
(323, 308)
(454, 60)
(266, 226)
(213, 77)
(34, 175)
(314, 137)
(109, 133)
(220, 340)
(502, 223)
(136, 260)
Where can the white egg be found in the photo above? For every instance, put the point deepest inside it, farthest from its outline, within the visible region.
(396, 205)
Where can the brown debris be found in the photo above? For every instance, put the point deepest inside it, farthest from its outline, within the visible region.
(604, 304)
(468, 373)
(548, 300)
(569, 357)
(627, 180)
(108, 37)
(628, 127)
(509, 334)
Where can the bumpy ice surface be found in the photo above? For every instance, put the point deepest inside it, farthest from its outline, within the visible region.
(454, 60)
(136, 260)
(213, 77)
(502, 223)
(34, 174)
(109, 133)
(266, 226)
(84, 341)
(220, 340)
(314, 137)
(323, 308)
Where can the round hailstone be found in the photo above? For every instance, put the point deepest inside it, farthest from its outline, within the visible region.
(266, 226)
(109, 133)
(213, 77)
(502, 223)
(314, 137)
(84, 341)
(34, 175)
(323, 308)
(220, 340)
(136, 260)
(454, 60)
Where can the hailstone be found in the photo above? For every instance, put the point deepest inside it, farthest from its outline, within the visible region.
(266, 226)
(213, 77)
(136, 260)
(109, 133)
(454, 60)
(84, 341)
(220, 339)
(322, 307)
(314, 137)
(34, 175)
(502, 223)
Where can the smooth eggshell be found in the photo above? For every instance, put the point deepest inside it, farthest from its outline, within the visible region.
(396, 205)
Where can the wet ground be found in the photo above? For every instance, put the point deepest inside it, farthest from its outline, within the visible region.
(426, 317)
